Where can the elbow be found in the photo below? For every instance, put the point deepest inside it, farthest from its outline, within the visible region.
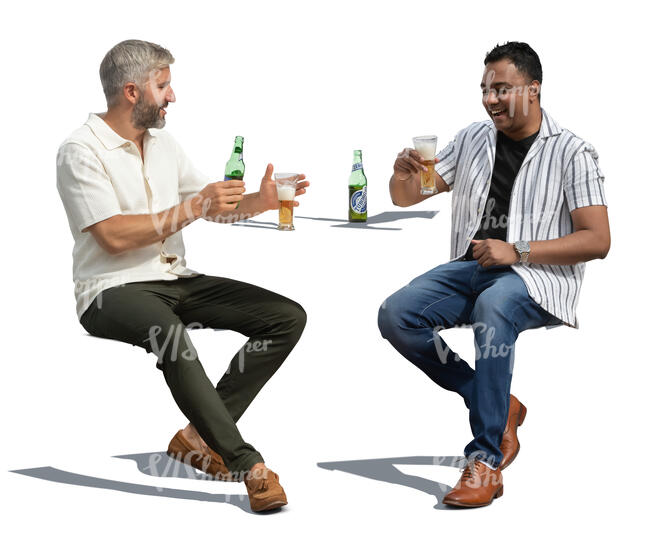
(399, 203)
(113, 247)
(604, 250)
(104, 233)
(598, 251)
(110, 245)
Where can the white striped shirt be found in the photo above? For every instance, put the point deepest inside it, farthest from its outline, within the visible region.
(559, 174)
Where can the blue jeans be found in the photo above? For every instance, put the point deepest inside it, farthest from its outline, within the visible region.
(496, 303)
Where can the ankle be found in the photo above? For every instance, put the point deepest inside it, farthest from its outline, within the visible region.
(257, 467)
(190, 433)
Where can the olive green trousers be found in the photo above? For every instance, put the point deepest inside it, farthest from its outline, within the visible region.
(156, 315)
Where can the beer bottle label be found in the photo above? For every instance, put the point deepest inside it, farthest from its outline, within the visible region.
(359, 200)
(357, 166)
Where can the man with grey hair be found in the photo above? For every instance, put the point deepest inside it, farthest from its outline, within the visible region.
(128, 189)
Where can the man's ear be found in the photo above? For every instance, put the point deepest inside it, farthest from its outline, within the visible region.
(533, 89)
(131, 92)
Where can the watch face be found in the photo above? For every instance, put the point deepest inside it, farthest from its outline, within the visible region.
(522, 246)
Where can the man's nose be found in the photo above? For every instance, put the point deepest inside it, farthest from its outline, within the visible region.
(492, 98)
(170, 97)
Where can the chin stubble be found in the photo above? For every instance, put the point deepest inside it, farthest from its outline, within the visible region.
(146, 116)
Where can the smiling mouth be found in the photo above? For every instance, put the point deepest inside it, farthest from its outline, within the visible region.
(497, 112)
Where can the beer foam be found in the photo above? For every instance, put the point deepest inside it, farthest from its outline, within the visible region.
(426, 149)
(286, 194)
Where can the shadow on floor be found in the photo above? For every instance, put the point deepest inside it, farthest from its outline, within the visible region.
(385, 469)
(160, 465)
(156, 464)
(386, 216)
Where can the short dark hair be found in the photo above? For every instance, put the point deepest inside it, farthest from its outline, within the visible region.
(521, 55)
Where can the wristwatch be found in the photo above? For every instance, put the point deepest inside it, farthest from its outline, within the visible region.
(523, 249)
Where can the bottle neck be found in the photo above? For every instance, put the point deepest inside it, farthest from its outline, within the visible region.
(237, 149)
(357, 162)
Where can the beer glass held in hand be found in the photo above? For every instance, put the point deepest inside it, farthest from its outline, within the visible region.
(286, 186)
(426, 147)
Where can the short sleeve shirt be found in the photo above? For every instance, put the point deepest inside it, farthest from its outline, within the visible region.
(100, 175)
(559, 174)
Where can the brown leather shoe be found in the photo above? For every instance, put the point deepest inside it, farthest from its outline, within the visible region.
(212, 463)
(478, 486)
(510, 443)
(264, 490)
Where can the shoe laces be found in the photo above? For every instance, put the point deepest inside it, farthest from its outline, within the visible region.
(470, 471)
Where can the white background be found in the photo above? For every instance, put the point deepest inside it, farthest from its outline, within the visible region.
(306, 83)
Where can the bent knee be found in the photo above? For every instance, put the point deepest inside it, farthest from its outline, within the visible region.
(294, 315)
(388, 319)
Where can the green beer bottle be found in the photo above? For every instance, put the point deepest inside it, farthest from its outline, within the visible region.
(235, 166)
(357, 191)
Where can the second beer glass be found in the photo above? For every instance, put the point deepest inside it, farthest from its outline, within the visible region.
(286, 187)
(426, 147)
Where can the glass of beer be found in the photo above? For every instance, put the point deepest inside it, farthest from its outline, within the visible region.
(286, 185)
(426, 147)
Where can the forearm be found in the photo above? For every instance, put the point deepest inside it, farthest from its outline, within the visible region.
(130, 232)
(405, 193)
(580, 246)
(402, 191)
(249, 207)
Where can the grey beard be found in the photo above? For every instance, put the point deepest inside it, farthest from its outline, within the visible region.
(146, 116)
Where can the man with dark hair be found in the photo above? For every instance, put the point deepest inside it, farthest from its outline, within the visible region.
(522, 56)
(128, 189)
(528, 210)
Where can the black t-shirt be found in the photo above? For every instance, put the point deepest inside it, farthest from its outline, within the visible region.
(508, 157)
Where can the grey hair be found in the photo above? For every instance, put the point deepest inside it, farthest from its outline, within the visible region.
(130, 61)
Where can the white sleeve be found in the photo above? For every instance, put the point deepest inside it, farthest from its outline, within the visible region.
(583, 181)
(85, 188)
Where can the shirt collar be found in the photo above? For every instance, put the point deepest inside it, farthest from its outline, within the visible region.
(549, 127)
(108, 136)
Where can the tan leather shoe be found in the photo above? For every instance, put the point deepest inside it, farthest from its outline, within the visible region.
(211, 463)
(264, 490)
(478, 486)
(510, 443)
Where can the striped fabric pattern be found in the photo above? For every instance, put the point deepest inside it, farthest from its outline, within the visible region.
(559, 174)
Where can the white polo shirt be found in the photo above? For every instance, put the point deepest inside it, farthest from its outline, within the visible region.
(99, 175)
